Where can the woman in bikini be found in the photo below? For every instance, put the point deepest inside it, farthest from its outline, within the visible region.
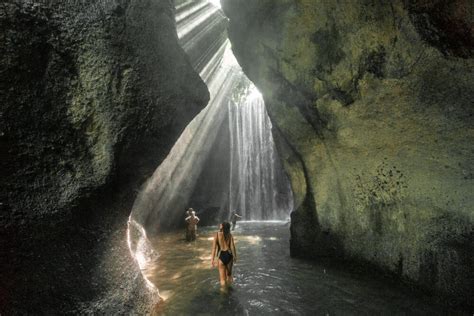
(223, 246)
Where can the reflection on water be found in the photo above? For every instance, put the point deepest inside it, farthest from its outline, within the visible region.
(267, 280)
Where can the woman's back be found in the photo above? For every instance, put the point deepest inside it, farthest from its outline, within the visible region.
(223, 244)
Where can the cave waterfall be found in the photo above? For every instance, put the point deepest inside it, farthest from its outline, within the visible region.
(225, 159)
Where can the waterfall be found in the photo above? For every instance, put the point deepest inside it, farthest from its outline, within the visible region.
(253, 185)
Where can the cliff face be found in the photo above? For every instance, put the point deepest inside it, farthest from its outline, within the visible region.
(372, 109)
(92, 97)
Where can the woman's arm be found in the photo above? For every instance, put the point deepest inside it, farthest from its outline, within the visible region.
(214, 247)
(234, 252)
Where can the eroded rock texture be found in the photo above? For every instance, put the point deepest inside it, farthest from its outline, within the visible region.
(372, 105)
(92, 96)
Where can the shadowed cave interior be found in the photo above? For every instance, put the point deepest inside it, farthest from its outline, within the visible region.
(342, 132)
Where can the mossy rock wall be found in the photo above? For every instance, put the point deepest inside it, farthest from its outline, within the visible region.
(93, 95)
(372, 103)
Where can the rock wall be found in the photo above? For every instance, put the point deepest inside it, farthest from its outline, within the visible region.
(372, 108)
(92, 97)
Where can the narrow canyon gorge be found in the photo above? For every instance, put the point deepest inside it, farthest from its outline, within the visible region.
(341, 131)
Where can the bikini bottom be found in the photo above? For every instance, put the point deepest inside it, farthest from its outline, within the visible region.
(226, 257)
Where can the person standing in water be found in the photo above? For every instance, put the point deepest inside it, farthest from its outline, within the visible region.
(223, 247)
(234, 218)
(192, 220)
(186, 215)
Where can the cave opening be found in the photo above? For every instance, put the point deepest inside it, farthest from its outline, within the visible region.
(225, 160)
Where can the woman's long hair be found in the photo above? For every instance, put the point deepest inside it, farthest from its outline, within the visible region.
(226, 230)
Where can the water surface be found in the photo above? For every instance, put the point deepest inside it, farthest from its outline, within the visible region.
(268, 280)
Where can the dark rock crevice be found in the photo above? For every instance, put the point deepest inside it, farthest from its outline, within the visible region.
(447, 25)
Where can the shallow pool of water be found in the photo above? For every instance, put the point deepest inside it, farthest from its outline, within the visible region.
(268, 280)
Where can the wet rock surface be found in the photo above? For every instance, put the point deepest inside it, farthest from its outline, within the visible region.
(93, 95)
(371, 104)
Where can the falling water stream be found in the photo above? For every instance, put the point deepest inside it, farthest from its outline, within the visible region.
(253, 182)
